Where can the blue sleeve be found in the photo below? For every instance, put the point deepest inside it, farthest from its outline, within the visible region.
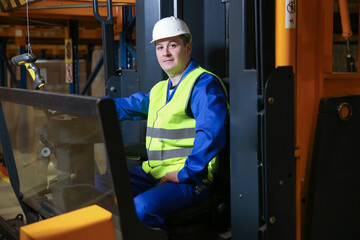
(209, 108)
(135, 107)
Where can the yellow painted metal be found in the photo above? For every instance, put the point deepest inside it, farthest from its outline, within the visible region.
(13, 4)
(4, 175)
(90, 223)
(345, 19)
(8, 5)
(285, 33)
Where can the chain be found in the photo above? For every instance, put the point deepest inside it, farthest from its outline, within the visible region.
(28, 26)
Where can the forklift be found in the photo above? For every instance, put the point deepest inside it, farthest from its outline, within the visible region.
(257, 193)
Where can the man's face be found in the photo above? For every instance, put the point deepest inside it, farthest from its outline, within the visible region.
(172, 55)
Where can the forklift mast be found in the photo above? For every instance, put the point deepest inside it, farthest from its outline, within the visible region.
(262, 156)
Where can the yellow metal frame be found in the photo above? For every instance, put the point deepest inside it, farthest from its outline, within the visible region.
(11, 4)
(285, 36)
(90, 223)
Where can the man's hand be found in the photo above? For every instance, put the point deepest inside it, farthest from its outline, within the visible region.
(170, 177)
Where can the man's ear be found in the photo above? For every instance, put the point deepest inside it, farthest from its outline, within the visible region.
(189, 48)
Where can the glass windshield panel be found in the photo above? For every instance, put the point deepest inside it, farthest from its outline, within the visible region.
(58, 156)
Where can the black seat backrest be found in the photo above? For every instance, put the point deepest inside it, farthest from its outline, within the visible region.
(334, 182)
(211, 214)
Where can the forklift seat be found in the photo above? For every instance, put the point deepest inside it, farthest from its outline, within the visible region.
(211, 215)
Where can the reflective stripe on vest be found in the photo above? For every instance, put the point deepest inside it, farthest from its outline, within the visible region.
(170, 131)
(172, 153)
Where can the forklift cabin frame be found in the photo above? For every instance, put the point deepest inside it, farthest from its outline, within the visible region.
(104, 111)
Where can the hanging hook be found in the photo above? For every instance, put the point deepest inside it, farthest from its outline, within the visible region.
(109, 11)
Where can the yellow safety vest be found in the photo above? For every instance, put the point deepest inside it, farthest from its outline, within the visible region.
(170, 131)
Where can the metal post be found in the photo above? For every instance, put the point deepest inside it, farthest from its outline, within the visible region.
(93, 75)
(127, 51)
(108, 40)
(123, 62)
(175, 2)
(74, 35)
(123, 40)
(3, 42)
(147, 14)
(5, 65)
(208, 31)
(43, 53)
(243, 132)
(116, 55)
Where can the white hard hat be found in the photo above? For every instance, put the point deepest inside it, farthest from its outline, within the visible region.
(170, 27)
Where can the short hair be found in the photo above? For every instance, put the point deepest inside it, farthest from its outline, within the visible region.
(186, 38)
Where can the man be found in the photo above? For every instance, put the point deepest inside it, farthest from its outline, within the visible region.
(185, 128)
